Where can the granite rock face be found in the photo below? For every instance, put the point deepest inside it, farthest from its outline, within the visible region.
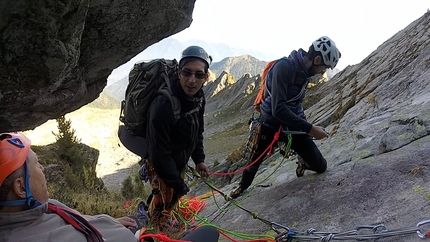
(56, 55)
(378, 116)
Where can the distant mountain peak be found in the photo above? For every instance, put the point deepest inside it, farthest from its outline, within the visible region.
(221, 74)
(237, 66)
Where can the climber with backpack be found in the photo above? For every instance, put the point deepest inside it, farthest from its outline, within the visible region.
(165, 126)
(280, 105)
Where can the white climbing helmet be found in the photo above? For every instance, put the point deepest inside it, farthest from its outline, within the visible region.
(328, 50)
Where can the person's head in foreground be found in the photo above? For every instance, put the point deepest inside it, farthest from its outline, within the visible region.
(22, 178)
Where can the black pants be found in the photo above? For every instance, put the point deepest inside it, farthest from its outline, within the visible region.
(302, 144)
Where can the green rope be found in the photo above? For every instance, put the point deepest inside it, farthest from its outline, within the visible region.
(287, 150)
(236, 234)
(204, 221)
(236, 203)
(233, 202)
(290, 140)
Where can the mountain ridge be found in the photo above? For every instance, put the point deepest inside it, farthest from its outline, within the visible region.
(235, 65)
(170, 48)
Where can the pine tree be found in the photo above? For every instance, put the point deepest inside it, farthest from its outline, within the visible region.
(127, 189)
(66, 137)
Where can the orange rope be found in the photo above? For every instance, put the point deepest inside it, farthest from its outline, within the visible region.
(191, 207)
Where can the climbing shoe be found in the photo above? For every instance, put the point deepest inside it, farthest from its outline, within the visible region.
(141, 216)
(301, 166)
(143, 171)
(236, 192)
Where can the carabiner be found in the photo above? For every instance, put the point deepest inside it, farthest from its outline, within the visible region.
(279, 226)
(426, 234)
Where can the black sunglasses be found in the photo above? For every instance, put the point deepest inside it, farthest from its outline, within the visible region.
(198, 75)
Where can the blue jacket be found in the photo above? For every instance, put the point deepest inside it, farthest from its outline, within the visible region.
(282, 104)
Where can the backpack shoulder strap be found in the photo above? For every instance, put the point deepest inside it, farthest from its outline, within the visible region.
(293, 78)
(176, 104)
(260, 95)
(196, 109)
(294, 70)
(263, 89)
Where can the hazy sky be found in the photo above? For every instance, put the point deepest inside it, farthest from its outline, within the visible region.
(276, 27)
(279, 26)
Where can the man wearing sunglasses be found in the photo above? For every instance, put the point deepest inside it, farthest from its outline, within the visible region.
(285, 89)
(172, 141)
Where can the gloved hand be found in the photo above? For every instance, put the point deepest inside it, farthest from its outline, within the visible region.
(184, 190)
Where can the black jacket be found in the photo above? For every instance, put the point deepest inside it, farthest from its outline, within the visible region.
(171, 142)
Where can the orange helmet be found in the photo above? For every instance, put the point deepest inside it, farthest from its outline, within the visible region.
(14, 148)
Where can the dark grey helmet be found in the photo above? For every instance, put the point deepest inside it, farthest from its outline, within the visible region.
(198, 52)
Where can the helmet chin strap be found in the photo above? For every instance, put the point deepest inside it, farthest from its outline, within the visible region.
(312, 66)
(30, 202)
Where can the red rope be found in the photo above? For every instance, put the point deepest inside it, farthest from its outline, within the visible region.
(193, 206)
(268, 151)
(225, 235)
